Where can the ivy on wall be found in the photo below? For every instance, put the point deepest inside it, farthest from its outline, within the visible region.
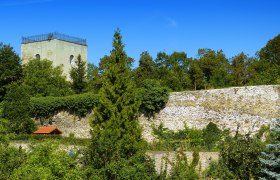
(47, 107)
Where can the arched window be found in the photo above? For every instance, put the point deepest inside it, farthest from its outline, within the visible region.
(37, 56)
(71, 59)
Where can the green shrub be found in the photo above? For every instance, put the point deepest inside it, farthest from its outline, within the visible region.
(10, 159)
(153, 97)
(16, 109)
(239, 154)
(181, 168)
(46, 107)
(211, 135)
(187, 138)
(47, 161)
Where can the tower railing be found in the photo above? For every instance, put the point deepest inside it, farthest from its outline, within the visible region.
(55, 35)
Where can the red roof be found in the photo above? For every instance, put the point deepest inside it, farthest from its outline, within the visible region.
(48, 130)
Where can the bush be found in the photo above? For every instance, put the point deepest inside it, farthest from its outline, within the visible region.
(239, 154)
(10, 159)
(187, 138)
(181, 168)
(153, 97)
(17, 109)
(47, 161)
(46, 107)
(211, 135)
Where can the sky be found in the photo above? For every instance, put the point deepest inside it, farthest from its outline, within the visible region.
(233, 26)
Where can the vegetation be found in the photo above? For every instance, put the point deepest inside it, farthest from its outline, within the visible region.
(47, 161)
(117, 147)
(45, 107)
(116, 93)
(44, 79)
(153, 97)
(10, 68)
(181, 168)
(238, 158)
(16, 109)
(78, 75)
(271, 156)
(188, 138)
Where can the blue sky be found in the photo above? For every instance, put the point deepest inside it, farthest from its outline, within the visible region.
(146, 25)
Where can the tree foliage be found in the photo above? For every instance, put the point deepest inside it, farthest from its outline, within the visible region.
(239, 155)
(271, 156)
(78, 75)
(44, 108)
(11, 158)
(10, 68)
(47, 161)
(153, 97)
(44, 79)
(116, 133)
(94, 78)
(145, 70)
(17, 109)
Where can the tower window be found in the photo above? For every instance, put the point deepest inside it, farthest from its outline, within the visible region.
(37, 56)
(71, 59)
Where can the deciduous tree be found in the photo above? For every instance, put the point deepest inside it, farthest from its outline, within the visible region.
(10, 68)
(44, 79)
(17, 109)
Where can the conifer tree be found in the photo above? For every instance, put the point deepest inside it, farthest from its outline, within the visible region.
(116, 133)
(78, 75)
(271, 157)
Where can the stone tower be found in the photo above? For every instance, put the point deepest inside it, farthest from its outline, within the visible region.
(59, 48)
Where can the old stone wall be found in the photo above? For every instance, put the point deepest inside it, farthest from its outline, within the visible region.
(249, 107)
(164, 160)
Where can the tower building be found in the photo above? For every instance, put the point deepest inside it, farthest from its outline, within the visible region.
(62, 49)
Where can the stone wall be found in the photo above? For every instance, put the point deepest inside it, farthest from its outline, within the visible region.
(163, 160)
(249, 107)
(71, 124)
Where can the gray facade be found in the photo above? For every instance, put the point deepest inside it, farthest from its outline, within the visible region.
(62, 49)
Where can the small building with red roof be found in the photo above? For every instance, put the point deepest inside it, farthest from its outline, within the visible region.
(48, 130)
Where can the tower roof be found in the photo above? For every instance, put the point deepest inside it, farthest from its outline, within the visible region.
(54, 35)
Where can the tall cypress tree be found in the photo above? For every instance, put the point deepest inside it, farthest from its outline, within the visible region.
(78, 75)
(116, 133)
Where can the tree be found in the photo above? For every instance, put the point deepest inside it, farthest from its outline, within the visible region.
(116, 133)
(10, 68)
(11, 158)
(271, 156)
(94, 78)
(172, 70)
(47, 161)
(17, 109)
(239, 155)
(215, 68)
(196, 75)
(271, 52)
(239, 70)
(146, 69)
(153, 97)
(211, 135)
(44, 79)
(78, 75)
